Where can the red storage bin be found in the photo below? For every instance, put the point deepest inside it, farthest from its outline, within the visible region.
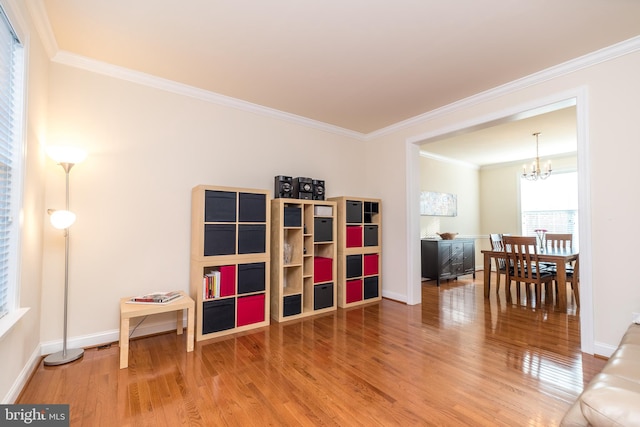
(370, 264)
(354, 290)
(227, 280)
(322, 269)
(250, 309)
(354, 236)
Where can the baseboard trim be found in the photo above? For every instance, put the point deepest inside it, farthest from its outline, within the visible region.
(601, 349)
(108, 337)
(22, 379)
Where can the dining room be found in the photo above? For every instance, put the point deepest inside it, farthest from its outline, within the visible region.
(484, 171)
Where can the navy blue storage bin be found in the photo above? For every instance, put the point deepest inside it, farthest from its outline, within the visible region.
(251, 277)
(218, 315)
(219, 206)
(292, 216)
(292, 305)
(252, 238)
(354, 266)
(371, 235)
(219, 239)
(252, 207)
(371, 287)
(354, 211)
(322, 296)
(323, 229)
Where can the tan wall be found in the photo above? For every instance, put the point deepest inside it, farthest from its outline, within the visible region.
(446, 177)
(146, 150)
(500, 196)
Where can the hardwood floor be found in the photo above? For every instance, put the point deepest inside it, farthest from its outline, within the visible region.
(457, 359)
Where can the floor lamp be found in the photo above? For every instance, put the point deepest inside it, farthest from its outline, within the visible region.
(63, 219)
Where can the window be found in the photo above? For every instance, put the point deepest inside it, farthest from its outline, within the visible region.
(551, 204)
(11, 117)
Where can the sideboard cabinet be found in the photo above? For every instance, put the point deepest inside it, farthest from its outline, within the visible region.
(447, 259)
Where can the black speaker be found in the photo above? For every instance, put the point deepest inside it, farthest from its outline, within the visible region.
(318, 189)
(283, 187)
(303, 188)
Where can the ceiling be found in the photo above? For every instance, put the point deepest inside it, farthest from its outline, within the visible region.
(510, 141)
(360, 65)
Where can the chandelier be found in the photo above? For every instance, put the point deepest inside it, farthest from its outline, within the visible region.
(536, 172)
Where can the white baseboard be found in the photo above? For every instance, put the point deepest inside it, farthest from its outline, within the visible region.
(86, 341)
(22, 379)
(603, 349)
(108, 337)
(394, 296)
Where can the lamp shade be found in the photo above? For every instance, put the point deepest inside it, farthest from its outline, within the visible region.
(64, 154)
(62, 219)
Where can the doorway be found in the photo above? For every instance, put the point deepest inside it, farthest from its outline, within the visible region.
(412, 147)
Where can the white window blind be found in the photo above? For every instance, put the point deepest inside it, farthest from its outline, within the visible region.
(550, 204)
(11, 96)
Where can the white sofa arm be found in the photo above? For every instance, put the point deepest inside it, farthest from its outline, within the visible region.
(612, 398)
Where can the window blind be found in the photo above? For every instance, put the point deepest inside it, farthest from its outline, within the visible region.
(551, 204)
(11, 87)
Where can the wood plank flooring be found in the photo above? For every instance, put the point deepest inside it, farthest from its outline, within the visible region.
(455, 360)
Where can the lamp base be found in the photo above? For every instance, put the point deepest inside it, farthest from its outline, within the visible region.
(60, 358)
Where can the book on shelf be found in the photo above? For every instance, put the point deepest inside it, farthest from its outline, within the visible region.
(211, 285)
(156, 298)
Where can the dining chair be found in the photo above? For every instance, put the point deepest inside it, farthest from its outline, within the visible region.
(501, 263)
(559, 240)
(522, 255)
(555, 241)
(573, 278)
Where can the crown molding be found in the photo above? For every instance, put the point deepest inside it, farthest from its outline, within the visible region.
(606, 54)
(99, 67)
(445, 159)
(41, 21)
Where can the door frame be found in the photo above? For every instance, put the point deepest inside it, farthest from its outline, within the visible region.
(578, 97)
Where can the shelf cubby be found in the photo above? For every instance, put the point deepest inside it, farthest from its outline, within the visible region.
(303, 258)
(359, 227)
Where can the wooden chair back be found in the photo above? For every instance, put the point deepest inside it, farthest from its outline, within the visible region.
(496, 242)
(559, 240)
(522, 254)
(497, 245)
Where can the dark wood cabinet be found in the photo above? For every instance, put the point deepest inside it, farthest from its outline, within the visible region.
(447, 259)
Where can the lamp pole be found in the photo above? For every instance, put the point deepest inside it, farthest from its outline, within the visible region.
(65, 356)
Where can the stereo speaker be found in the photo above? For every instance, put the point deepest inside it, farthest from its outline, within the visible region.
(318, 189)
(303, 188)
(283, 187)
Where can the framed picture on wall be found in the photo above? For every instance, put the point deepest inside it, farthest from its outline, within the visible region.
(438, 204)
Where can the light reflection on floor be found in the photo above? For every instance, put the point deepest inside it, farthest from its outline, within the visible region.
(547, 350)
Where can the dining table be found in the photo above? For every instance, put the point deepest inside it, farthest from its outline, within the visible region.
(559, 256)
